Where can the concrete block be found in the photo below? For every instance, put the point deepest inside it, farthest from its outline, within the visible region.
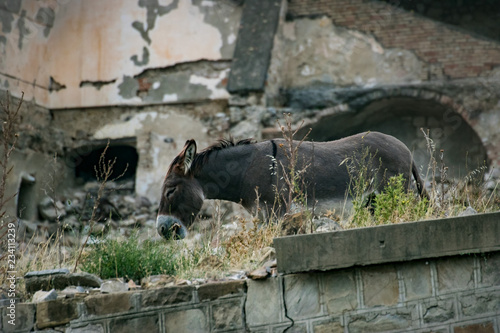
(327, 326)
(211, 291)
(339, 291)
(455, 273)
(490, 268)
(479, 304)
(55, 313)
(417, 279)
(388, 243)
(228, 315)
(193, 320)
(380, 285)
(438, 311)
(167, 296)
(302, 295)
(263, 305)
(150, 324)
(111, 303)
(24, 318)
(486, 327)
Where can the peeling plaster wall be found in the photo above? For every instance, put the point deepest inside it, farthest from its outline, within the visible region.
(160, 133)
(93, 53)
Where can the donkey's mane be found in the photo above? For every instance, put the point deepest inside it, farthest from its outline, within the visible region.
(221, 144)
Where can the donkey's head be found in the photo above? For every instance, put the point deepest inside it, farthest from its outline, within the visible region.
(181, 196)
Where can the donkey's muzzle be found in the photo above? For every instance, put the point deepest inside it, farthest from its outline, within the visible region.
(170, 227)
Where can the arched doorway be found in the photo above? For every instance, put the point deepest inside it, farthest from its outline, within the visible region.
(404, 117)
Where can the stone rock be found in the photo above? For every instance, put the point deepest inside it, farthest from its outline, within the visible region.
(35, 281)
(72, 292)
(50, 211)
(468, 211)
(156, 281)
(325, 224)
(47, 272)
(258, 274)
(114, 286)
(132, 286)
(42, 296)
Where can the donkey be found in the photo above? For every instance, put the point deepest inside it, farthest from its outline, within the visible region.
(245, 171)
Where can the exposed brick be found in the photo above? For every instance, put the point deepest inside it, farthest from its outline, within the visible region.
(475, 328)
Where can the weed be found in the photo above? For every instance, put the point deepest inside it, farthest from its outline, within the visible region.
(129, 258)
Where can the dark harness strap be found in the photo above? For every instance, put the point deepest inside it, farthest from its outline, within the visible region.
(275, 151)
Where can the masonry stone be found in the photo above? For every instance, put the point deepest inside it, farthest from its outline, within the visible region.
(193, 320)
(106, 304)
(90, 328)
(436, 311)
(328, 326)
(227, 315)
(486, 327)
(339, 291)
(302, 295)
(456, 273)
(167, 296)
(477, 304)
(263, 305)
(380, 322)
(292, 328)
(55, 313)
(417, 279)
(380, 285)
(208, 292)
(149, 324)
(24, 318)
(490, 269)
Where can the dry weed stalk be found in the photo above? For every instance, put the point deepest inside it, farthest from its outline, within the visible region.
(9, 139)
(103, 172)
(292, 177)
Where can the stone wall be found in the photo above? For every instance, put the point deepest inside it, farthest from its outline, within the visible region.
(437, 289)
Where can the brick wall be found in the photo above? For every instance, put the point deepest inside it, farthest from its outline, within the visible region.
(455, 52)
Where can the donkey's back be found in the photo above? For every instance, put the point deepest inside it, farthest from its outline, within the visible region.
(329, 168)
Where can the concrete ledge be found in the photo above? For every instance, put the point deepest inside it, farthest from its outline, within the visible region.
(388, 243)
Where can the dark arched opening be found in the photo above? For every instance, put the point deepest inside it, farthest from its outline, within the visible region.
(404, 117)
(125, 157)
(26, 199)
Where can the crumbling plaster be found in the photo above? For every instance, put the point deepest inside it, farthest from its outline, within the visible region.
(94, 47)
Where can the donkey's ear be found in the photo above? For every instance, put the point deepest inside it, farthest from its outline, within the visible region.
(189, 152)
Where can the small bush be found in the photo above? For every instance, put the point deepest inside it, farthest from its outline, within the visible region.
(397, 204)
(129, 258)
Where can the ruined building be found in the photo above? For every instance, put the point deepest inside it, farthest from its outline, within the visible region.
(148, 74)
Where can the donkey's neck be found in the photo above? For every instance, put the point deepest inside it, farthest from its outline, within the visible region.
(221, 175)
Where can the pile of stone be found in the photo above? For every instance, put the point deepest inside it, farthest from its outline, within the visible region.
(119, 208)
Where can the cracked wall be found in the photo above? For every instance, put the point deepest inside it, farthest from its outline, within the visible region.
(94, 53)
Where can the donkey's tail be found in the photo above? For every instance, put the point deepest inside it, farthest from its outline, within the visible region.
(420, 183)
